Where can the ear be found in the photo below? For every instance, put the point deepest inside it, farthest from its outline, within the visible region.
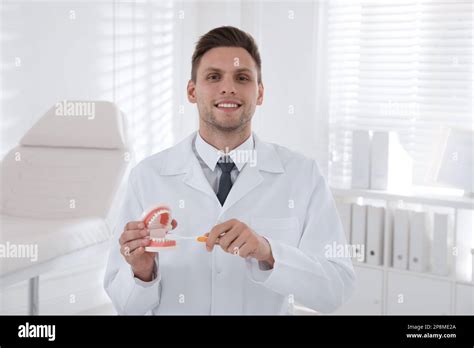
(260, 94)
(191, 89)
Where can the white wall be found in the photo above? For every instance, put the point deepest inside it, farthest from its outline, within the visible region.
(48, 56)
(287, 37)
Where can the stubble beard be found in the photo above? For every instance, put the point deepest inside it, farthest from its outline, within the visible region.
(211, 120)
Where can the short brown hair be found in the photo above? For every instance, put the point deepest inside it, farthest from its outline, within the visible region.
(225, 37)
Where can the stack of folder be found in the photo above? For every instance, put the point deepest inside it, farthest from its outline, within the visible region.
(421, 240)
(364, 228)
(377, 157)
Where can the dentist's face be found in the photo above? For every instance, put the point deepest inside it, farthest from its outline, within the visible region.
(226, 89)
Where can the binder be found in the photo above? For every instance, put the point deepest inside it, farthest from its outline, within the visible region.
(455, 168)
(379, 151)
(440, 256)
(358, 241)
(419, 242)
(360, 159)
(375, 233)
(400, 165)
(400, 239)
(345, 210)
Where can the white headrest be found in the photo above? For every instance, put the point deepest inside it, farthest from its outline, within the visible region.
(96, 124)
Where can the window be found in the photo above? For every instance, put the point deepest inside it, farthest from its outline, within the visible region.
(143, 58)
(402, 66)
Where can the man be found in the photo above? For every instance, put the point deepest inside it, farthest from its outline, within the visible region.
(268, 211)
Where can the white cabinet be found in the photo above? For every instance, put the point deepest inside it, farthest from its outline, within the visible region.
(443, 287)
(411, 294)
(367, 297)
(464, 299)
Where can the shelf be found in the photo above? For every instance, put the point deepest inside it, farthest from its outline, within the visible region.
(421, 274)
(366, 265)
(458, 202)
(465, 282)
(412, 273)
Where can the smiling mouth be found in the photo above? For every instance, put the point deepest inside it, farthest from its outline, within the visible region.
(228, 106)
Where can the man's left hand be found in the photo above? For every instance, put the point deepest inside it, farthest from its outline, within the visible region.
(237, 238)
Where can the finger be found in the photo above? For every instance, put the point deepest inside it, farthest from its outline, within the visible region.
(134, 244)
(246, 250)
(228, 238)
(125, 251)
(237, 243)
(137, 253)
(134, 225)
(130, 235)
(216, 231)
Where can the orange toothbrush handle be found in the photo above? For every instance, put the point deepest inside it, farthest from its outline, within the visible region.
(202, 239)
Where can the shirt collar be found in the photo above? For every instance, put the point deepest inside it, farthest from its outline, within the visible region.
(210, 155)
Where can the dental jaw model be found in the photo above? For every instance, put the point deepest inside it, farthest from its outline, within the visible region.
(158, 220)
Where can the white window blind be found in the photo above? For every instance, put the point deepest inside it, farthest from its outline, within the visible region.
(402, 66)
(143, 80)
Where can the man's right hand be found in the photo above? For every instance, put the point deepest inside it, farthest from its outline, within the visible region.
(133, 241)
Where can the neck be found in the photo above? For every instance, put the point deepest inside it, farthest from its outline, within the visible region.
(224, 141)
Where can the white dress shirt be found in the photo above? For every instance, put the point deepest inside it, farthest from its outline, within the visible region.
(208, 157)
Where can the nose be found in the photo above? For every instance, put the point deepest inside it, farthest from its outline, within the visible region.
(228, 86)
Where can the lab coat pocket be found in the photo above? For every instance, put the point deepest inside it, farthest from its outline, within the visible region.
(283, 229)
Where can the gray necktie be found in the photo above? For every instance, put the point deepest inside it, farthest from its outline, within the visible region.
(225, 183)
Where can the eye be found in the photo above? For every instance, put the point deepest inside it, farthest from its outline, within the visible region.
(213, 76)
(243, 78)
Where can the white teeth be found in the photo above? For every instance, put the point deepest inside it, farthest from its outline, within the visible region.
(155, 216)
(227, 105)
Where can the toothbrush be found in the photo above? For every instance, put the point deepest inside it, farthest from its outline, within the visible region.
(201, 239)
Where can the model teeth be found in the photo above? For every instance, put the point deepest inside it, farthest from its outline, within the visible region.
(227, 105)
(155, 216)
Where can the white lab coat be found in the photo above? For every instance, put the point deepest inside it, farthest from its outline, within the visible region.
(283, 197)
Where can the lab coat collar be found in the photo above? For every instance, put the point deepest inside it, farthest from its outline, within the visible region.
(182, 160)
(210, 155)
(268, 159)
